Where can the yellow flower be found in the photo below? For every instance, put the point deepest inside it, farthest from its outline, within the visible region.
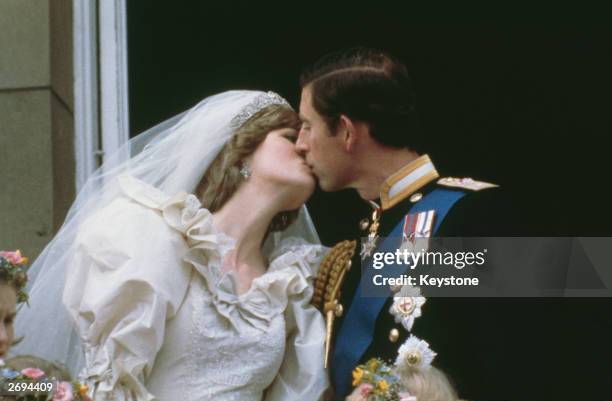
(383, 385)
(83, 389)
(357, 375)
(372, 365)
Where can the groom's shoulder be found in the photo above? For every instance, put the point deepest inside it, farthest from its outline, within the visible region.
(486, 209)
(481, 209)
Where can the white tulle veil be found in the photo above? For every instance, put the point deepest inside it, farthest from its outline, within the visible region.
(172, 156)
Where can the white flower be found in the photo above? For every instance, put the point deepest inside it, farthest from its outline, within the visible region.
(2, 364)
(407, 306)
(414, 354)
(405, 396)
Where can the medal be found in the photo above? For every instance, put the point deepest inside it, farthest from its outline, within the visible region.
(369, 245)
(418, 225)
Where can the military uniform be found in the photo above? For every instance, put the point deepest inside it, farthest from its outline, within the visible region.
(466, 208)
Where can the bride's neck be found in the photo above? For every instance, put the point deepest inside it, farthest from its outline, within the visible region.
(246, 217)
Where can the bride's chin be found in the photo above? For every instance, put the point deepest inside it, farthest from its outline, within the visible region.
(299, 197)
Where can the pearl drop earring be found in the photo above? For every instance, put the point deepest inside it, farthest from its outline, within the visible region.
(245, 171)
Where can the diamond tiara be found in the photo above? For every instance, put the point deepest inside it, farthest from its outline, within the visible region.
(260, 102)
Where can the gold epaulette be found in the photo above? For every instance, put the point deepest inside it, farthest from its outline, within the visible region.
(465, 183)
(328, 285)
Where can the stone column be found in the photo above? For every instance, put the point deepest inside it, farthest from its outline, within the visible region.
(36, 121)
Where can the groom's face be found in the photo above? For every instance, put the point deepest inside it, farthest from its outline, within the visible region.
(322, 149)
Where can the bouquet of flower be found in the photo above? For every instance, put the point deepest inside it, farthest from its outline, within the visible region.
(379, 381)
(13, 269)
(376, 380)
(32, 384)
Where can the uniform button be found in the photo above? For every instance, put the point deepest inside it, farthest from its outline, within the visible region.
(414, 198)
(364, 224)
(393, 335)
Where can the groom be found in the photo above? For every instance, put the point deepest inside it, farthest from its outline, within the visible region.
(360, 130)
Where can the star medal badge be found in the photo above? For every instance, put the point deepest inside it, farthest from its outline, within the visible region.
(369, 245)
(407, 305)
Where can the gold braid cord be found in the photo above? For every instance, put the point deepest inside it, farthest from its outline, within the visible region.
(328, 284)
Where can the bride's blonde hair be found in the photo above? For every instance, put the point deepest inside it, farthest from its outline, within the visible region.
(223, 176)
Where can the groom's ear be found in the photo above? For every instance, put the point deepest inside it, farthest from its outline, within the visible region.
(349, 132)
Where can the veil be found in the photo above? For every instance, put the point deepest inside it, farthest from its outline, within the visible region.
(172, 156)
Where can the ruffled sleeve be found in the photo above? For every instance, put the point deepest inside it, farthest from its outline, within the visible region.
(301, 376)
(126, 280)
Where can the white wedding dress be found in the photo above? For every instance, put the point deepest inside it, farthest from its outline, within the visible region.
(181, 332)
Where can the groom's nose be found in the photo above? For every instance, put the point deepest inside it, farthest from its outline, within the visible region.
(301, 145)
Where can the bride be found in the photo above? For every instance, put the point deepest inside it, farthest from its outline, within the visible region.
(181, 272)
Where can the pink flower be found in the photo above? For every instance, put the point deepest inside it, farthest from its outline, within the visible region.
(63, 392)
(14, 257)
(366, 389)
(33, 373)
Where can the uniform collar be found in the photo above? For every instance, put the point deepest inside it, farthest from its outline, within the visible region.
(407, 181)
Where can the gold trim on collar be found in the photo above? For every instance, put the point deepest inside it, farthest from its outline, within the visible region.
(404, 189)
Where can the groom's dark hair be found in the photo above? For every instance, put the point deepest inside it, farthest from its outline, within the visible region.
(370, 86)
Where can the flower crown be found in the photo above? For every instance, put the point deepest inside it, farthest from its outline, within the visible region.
(13, 270)
(34, 384)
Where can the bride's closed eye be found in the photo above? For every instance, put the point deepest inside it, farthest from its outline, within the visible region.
(291, 137)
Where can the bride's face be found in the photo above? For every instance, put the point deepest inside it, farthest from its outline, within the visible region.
(276, 161)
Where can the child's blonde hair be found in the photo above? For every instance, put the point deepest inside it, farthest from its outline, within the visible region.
(428, 385)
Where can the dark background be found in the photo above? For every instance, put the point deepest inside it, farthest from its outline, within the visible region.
(516, 96)
(519, 97)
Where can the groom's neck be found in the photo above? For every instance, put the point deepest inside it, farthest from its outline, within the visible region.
(377, 163)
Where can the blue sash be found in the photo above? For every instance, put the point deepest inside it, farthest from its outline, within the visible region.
(357, 330)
